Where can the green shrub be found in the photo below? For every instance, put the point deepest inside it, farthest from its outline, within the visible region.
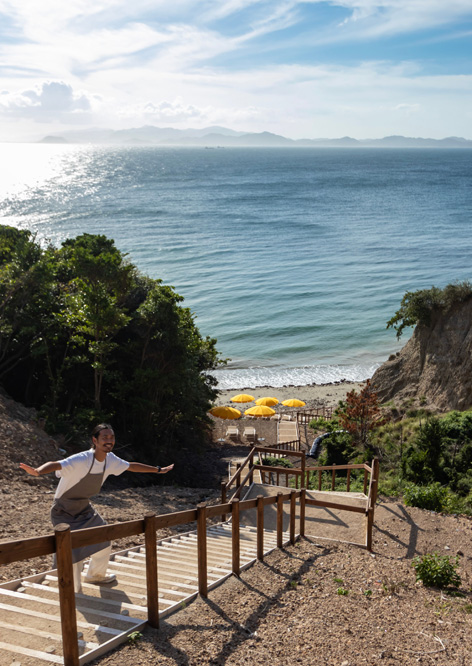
(435, 570)
(272, 461)
(418, 307)
(134, 637)
(433, 497)
(464, 486)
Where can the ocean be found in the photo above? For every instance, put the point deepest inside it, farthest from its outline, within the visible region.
(294, 259)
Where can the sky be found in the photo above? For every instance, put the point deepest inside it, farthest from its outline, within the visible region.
(359, 68)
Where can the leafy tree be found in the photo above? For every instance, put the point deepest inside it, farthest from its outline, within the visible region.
(442, 452)
(359, 414)
(84, 336)
(424, 460)
(26, 296)
(94, 303)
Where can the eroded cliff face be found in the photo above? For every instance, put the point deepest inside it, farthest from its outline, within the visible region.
(435, 365)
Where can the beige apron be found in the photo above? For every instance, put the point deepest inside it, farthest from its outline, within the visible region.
(74, 508)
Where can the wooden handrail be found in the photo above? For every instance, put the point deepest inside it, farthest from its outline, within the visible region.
(274, 468)
(24, 549)
(238, 471)
(242, 483)
(276, 449)
(15, 551)
(330, 467)
(333, 505)
(291, 447)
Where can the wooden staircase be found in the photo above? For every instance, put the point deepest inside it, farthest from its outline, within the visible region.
(287, 431)
(30, 623)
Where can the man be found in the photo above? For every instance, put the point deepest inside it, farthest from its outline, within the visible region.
(81, 477)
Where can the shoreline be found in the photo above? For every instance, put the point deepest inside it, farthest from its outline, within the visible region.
(312, 394)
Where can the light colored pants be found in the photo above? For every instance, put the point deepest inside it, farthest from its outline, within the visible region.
(97, 567)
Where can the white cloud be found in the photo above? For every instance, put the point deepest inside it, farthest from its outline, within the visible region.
(177, 112)
(54, 99)
(374, 18)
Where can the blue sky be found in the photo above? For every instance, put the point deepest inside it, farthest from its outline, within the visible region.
(363, 68)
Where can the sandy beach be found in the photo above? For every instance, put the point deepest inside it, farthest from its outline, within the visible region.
(311, 394)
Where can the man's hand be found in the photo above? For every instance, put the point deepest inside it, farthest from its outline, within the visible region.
(30, 470)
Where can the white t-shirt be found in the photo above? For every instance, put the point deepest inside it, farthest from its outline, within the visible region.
(77, 466)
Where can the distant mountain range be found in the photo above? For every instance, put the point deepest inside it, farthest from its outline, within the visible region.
(222, 137)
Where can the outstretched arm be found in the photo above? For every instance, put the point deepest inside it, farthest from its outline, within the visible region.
(141, 467)
(47, 468)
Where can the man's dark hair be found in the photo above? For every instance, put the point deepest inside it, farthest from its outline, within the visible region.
(98, 428)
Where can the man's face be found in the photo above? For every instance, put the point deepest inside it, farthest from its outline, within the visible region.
(105, 441)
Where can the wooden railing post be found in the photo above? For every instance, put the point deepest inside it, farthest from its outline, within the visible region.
(348, 482)
(260, 527)
(370, 523)
(333, 478)
(303, 467)
(223, 500)
(235, 536)
(302, 511)
(202, 550)
(365, 481)
(293, 499)
(319, 479)
(372, 499)
(375, 484)
(280, 520)
(251, 466)
(150, 540)
(65, 579)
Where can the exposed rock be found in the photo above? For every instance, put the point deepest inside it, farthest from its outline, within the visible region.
(435, 365)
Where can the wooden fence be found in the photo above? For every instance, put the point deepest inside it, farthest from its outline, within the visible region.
(285, 447)
(307, 415)
(300, 477)
(64, 540)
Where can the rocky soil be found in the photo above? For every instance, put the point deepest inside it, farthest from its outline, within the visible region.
(314, 603)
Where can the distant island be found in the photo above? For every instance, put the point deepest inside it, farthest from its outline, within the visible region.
(222, 137)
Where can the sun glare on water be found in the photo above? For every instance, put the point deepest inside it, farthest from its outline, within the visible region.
(23, 166)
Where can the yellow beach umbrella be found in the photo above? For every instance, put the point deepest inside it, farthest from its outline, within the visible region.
(242, 397)
(259, 410)
(268, 402)
(293, 402)
(223, 412)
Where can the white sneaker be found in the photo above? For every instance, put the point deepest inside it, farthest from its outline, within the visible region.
(109, 578)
